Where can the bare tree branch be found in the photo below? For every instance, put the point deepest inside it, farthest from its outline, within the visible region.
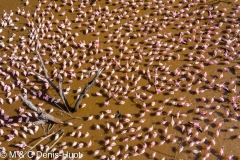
(76, 107)
(41, 61)
(29, 104)
(31, 70)
(59, 91)
(60, 80)
(42, 114)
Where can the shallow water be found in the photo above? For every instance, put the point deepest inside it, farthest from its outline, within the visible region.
(175, 61)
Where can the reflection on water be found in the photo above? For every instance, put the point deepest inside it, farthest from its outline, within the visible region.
(169, 88)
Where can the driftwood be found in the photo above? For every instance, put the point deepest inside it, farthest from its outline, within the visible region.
(42, 114)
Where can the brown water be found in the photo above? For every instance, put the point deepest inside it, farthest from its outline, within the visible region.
(188, 59)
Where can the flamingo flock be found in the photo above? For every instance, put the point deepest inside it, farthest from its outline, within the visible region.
(169, 88)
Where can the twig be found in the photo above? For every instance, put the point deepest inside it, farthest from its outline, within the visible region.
(42, 139)
(76, 107)
(56, 142)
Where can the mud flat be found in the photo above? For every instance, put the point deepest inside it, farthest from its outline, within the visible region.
(169, 88)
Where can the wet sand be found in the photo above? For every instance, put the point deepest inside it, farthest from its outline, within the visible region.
(143, 54)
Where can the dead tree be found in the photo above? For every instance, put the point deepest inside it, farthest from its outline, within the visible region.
(42, 114)
(60, 80)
